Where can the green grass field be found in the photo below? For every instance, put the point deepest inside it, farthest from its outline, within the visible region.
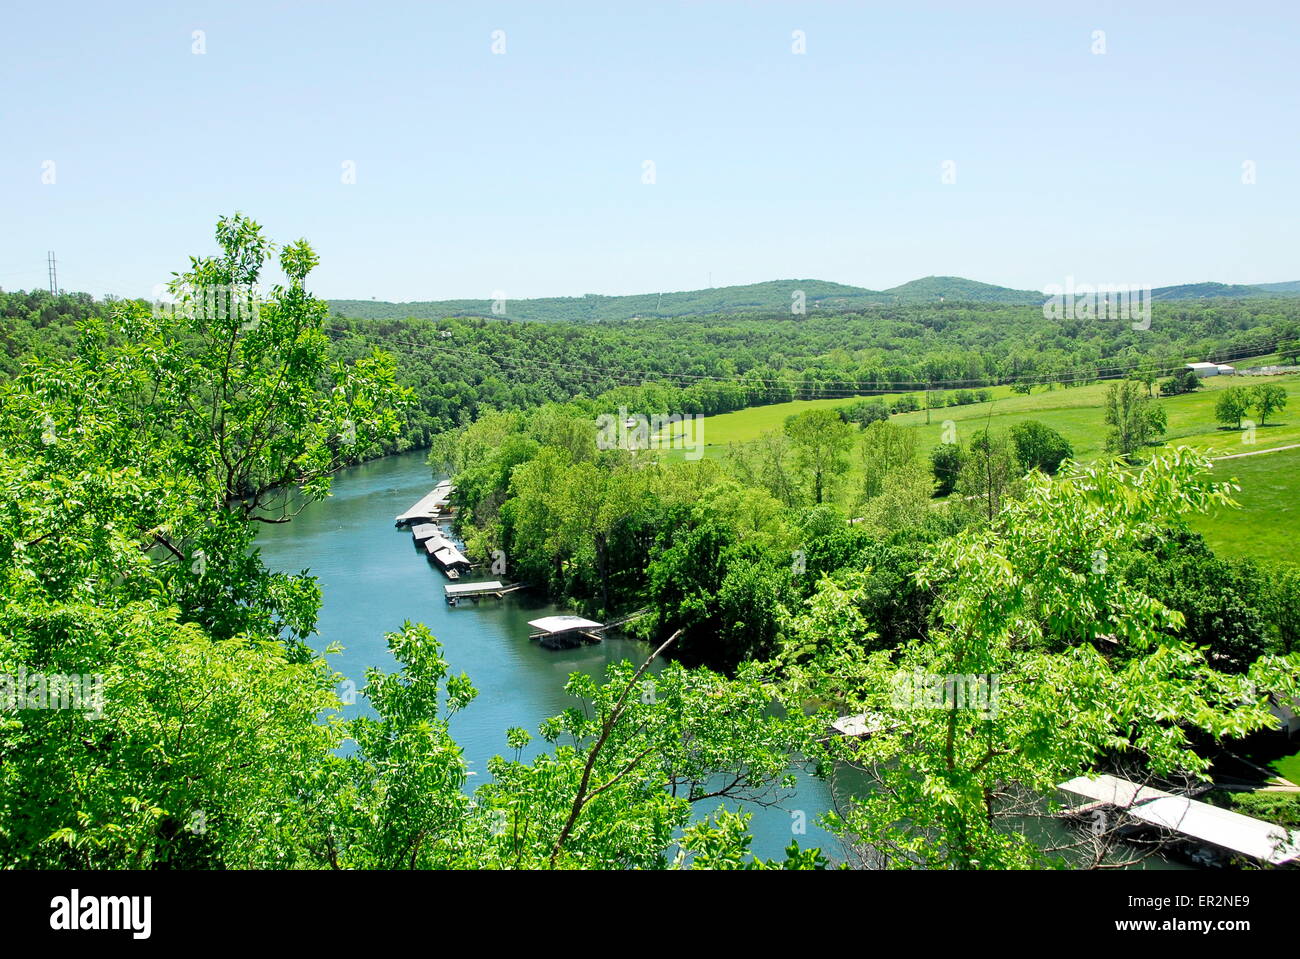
(1265, 527)
(1079, 415)
(1288, 767)
(748, 424)
(1268, 524)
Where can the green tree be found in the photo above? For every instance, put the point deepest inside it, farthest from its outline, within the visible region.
(1183, 381)
(946, 461)
(1031, 606)
(1134, 420)
(1039, 447)
(886, 447)
(1232, 404)
(821, 443)
(133, 472)
(720, 588)
(1224, 603)
(989, 472)
(1281, 584)
(1146, 374)
(904, 502)
(767, 463)
(1268, 398)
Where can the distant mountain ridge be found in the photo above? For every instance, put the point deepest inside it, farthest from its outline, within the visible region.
(773, 296)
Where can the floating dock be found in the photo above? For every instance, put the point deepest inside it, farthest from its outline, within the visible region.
(455, 592)
(436, 503)
(1192, 818)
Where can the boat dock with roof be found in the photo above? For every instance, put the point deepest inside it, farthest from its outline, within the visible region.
(436, 504)
(455, 592)
(1190, 818)
(564, 632)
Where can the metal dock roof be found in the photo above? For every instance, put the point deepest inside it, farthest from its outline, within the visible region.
(465, 589)
(561, 624)
(428, 505)
(1220, 827)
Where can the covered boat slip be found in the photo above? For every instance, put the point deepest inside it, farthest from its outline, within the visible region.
(1223, 828)
(561, 632)
(450, 558)
(444, 552)
(435, 503)
(455, 592)
(422, 531)
(440, 550)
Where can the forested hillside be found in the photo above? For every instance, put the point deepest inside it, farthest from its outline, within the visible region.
(459, 367)
(778, 297)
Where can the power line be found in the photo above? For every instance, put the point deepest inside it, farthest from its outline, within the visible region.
(828, 389)
(833, 389)
(595, 376)
(825, 387)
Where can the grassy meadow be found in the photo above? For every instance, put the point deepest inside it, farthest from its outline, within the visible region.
(1268, 524)
(1265, 527)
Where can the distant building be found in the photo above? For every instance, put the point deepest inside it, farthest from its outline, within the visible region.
(1204, 369)
(1227, 370)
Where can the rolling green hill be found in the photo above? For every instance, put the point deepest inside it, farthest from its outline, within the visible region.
(931, 288)
(773, 297)
(1195, 291)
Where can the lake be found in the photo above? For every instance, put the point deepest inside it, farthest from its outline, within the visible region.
(373, 579)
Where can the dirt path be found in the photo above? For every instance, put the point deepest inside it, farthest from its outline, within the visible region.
(1275, 449)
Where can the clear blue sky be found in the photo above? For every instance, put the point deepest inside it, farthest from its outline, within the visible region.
(523, 172)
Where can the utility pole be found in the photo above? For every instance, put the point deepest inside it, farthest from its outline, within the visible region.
(54, 273)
